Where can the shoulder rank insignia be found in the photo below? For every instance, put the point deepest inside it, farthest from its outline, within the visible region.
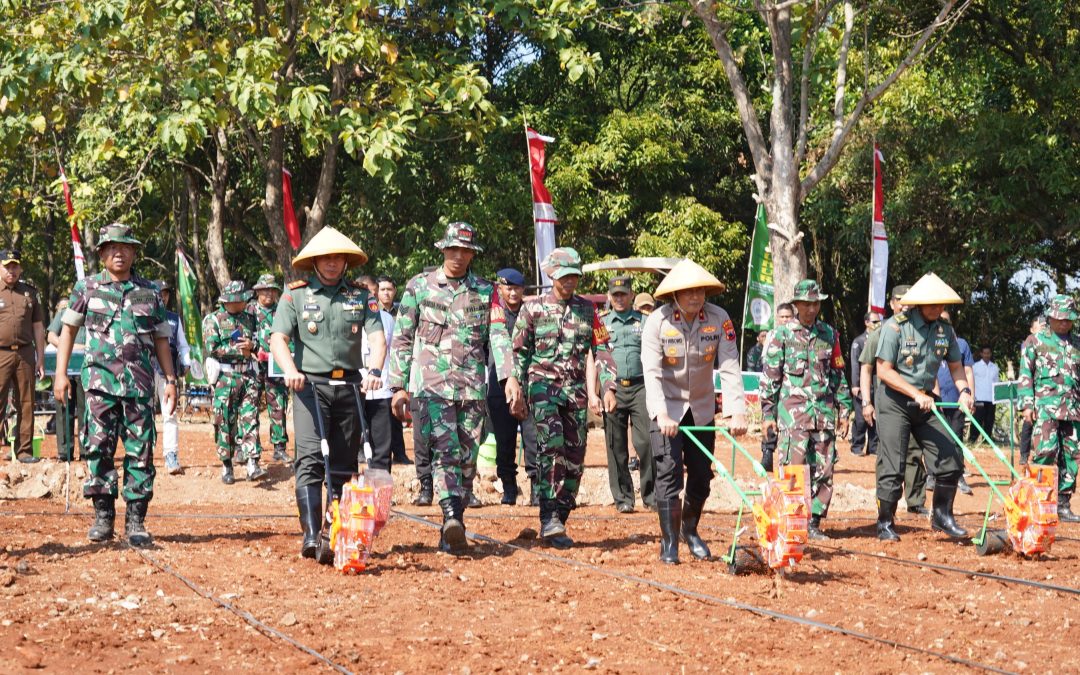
(299, 283)
(729, 330)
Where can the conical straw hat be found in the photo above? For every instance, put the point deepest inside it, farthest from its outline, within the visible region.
(327, 242)
(931, 290)
(688, 274)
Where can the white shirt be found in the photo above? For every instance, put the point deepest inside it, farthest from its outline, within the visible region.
(986, 374)
(388, 331)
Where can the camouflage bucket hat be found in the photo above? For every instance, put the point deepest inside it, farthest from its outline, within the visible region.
(116, 233)
(808, 290)
(562, 262)
(266, 282)
(1062, 307)
(459, 234)
(235, 291)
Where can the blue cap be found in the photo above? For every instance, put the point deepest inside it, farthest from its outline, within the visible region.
(510, 277)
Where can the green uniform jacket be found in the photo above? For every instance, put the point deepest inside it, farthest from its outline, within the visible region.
(1050, 376)
(804, 379)
(624, 341)
(217, 329)
(916, 347)
(324, 324)
(443, 336)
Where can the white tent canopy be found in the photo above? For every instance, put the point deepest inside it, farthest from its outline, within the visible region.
(659, 265)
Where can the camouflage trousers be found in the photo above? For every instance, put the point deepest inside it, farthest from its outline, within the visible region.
(452, 430)
(1056, 443)
(110, 419)
(817, 449)
(277, 401)
(236, 416)
(560, 442)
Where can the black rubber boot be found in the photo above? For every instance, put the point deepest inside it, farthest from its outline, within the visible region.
(691, 514)
(670, 521)
(963, 486)
(309, 503)
(452, 536)
(886, 511)
(135, 523)
(814, 531)
(426, 494)
(1064, 510)
(919, 510)
(104, 516)
(552, 525)
(942, 518)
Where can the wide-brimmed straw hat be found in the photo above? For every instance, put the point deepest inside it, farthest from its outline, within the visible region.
(328, 242)
(931, 290)
(688, 274)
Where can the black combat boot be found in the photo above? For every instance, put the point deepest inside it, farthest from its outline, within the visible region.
(670, 511)
(942, 518)
(280, 453)
(510, 491)
(534, 496)
(104, 515)
(886, 511)
(767, 460)
(814, 531)
(1064, 510)
(452, 536)
(309, 503)
(552, 526)
(472, 501)
(135, 523)
(227, 473)
(426, 494)
(691, 514)
(918, 510)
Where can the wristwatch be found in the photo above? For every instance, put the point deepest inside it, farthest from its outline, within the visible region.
(375, 372)
(170, 379)
(965, 390)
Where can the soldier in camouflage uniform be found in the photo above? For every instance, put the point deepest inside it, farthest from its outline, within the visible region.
(125, 324)
(803, 389)
(552, 339)
(1049, 390)
(267, 293)
(229, 335)
(447, 322)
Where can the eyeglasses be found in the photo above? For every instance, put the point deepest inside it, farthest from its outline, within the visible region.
(873, 321)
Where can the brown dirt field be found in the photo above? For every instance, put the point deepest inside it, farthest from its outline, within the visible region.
(67, 604)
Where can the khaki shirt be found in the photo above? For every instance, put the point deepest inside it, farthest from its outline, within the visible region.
(678, 360)
(917, 348)
(19, 311)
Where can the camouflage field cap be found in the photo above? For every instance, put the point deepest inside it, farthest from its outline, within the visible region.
(808, 290)
(459, 234)
(117, 233)
(931, 290)
(685, 276)
(1062, 307)
(266, 282)
(329, 241)
(620, 285)
(899, 291)
(162, 285)
(235, 291)
(562, 262)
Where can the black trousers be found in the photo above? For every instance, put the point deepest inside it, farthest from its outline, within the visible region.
(421, 449)
(380, 426)
(505, 427)
(1026, 430)
(956, 419)
(863, 434)
(629, 410)
(397, 438)
(673, 456)
(985, 412)
(897, 424)
(341, 422)
(65, 431)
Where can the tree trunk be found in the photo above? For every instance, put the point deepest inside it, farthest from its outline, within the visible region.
(273, 201)
(215, 227)
(785, 239)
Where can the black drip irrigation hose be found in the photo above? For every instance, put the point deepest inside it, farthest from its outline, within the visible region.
(705, 597)
(243, 614)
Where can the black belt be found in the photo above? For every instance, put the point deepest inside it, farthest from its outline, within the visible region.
(13, 348)
(630, 381)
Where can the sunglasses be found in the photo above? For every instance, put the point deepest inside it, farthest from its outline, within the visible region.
(872, 321)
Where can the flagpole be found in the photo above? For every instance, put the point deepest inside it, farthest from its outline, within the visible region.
(873, 210)
(532, 186)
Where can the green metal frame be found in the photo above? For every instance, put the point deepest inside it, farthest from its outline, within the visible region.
(995, 485)
(744, 495)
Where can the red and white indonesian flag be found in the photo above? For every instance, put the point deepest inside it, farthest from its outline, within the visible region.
(879, 252)
(76, 242)
(544, 217)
